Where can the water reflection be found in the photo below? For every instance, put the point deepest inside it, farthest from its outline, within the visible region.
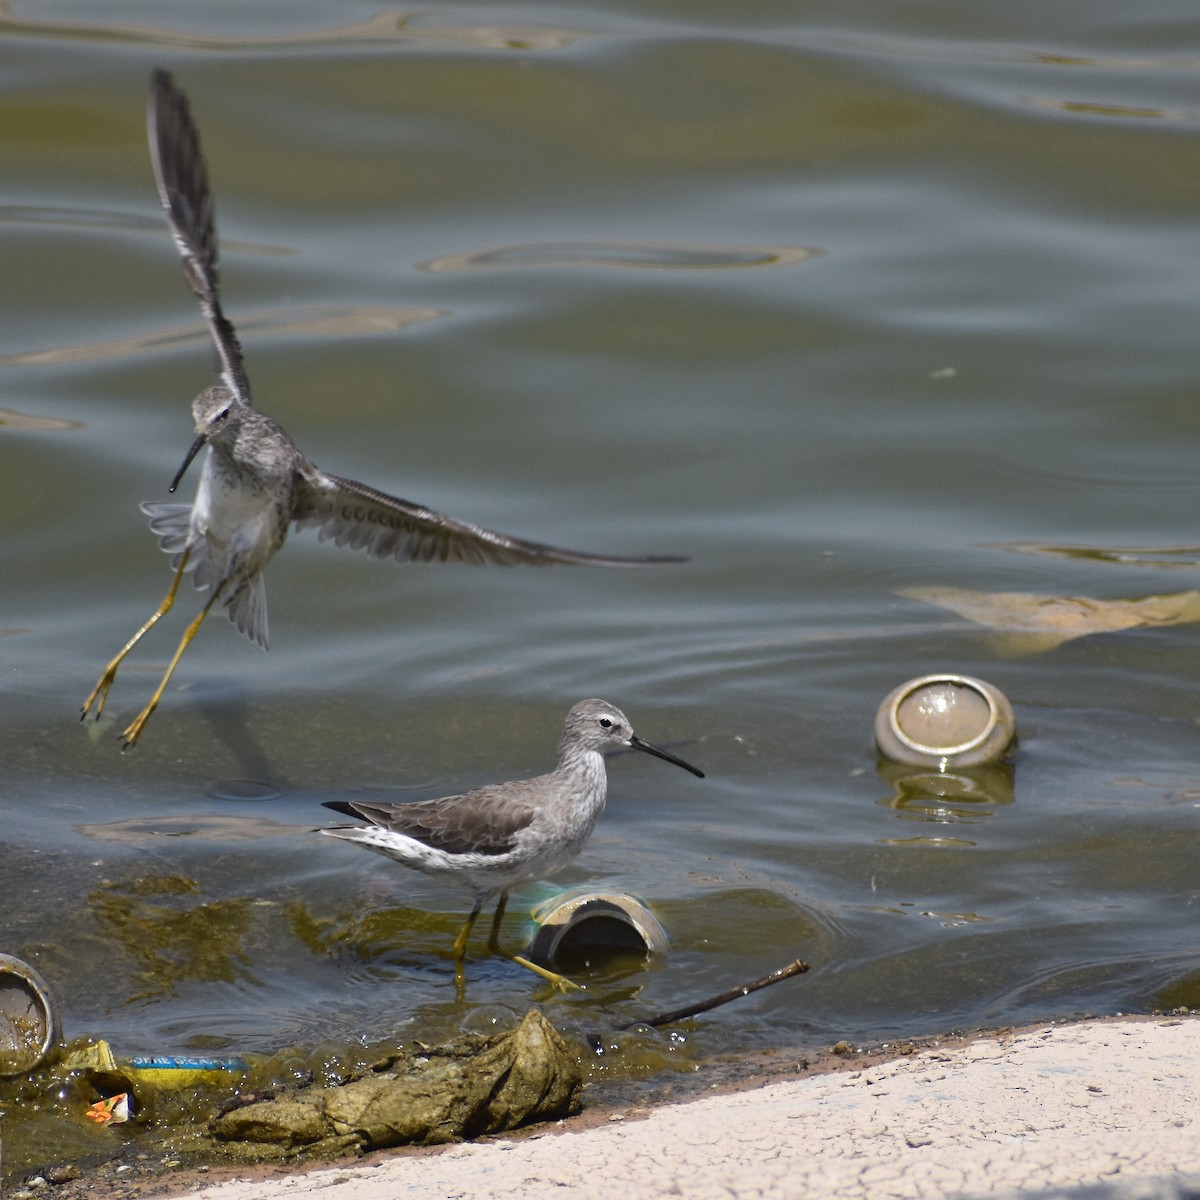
(385, 26)
(171, 934)
(52, 217)
(254, 790)
(1032, 622)
(624, 254)
(11, 419)
(402, 942)
(329, 321)
(1095, 109)
(223, 827)
(1137, 556)
(952, 920)
(373, 934)
(1183, 992)
(966, 796)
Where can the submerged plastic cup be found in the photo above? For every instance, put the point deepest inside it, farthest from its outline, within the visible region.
(28, 1017)
(945, 720)
(595, 923)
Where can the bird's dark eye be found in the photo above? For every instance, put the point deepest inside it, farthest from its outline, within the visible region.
(605, 723)
(223, 414)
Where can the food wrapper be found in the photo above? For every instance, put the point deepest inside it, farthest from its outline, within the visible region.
(113, 1111)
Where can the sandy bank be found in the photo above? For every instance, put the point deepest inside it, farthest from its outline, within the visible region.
(1052, 1107)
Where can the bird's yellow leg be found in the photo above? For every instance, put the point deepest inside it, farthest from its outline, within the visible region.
(460, 952)
(460, 942)
(100, 691)
(561, 982)
(130, 736)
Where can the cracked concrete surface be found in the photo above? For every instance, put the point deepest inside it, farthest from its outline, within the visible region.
(1062, 1107)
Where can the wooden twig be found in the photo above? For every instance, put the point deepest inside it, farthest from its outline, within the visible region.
(680, 1014)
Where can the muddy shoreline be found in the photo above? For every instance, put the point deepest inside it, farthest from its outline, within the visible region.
(1113, 1053)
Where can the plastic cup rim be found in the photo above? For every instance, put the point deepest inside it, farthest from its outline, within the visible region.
(944, 677)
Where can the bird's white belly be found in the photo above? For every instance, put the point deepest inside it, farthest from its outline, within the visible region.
(240, 524)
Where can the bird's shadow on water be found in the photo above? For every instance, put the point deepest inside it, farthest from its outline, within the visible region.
(225, 711)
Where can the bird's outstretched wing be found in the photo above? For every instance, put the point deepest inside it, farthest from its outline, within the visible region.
(485, 821)
(182, 180)
(356, 515)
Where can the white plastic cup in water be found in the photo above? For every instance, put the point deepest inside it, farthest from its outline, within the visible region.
(945, 720)
(600, 922)
(28, 1017)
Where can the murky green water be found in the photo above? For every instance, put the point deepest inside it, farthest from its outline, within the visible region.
(839, 303)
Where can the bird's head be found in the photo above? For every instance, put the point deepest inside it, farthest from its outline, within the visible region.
(598, 725)
(217, 414)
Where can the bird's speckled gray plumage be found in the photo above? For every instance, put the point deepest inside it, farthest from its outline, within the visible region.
(255, 481)
(494, 837)
(244, 504)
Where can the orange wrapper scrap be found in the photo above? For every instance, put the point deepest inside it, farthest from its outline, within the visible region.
(113, 1111)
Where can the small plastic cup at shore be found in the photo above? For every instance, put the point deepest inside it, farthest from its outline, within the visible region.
(945, 720)
(594, 924)
(28, 1018)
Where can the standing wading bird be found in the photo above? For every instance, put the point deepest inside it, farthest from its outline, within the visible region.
(255, 481)
(495, 837)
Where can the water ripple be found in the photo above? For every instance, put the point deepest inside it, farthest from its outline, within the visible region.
(328, 321)
(383, 27)
(1128, 556)
(11, 419)
(624, 254)
(216, 828)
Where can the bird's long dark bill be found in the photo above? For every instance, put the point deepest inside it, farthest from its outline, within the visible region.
(637, 743)
(195, 449)
(344, 807)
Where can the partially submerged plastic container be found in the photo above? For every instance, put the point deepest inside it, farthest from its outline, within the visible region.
(945, 720)
(181, 1070)
(129, 1086)
(29, 1029)
(594, 924)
